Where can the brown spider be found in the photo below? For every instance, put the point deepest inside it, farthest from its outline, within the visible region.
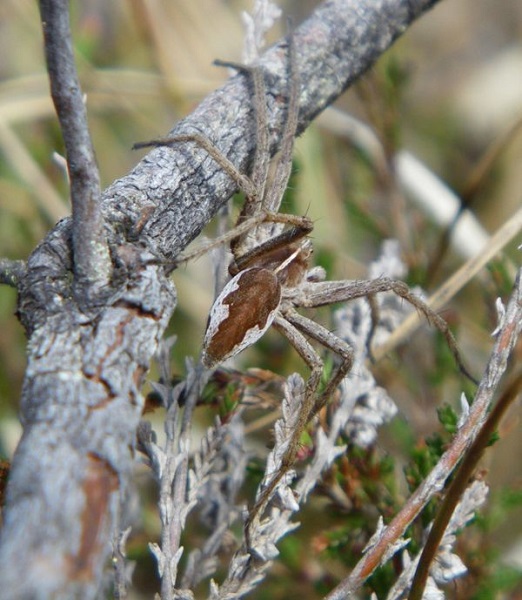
(272, 277)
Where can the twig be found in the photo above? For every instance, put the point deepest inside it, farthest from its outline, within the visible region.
(174, 484)
(458, 485)
(170, 464)
(448, 566)
(506, 338)
(11, 271)
(92, 263)
(122, 568)
(485, 164)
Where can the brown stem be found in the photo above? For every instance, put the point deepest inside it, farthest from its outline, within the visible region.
(90, 250)
(505, 341)
(459, 485)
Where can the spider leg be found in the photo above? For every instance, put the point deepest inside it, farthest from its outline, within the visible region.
(261, 161)
(323, 293)
(272, 200)
(253, 187)
(269, 200)
(260, 205)
(243, 182)
(312, 359)
(330, 341)
(292, 325)
(375, 316)
(301, 226)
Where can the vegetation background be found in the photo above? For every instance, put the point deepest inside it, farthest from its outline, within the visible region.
(448, 90)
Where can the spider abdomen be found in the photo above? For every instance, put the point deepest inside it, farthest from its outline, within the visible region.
(241, 314)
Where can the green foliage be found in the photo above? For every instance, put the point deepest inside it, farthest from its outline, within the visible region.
(501, 272)
(448, 418)
(499, 582)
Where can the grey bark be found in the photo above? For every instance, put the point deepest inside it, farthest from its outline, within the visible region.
(81, 401)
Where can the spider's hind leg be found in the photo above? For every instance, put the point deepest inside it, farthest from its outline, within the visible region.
(329, 340)
(292, 442)
(295, 328)
(331, 292)
(375, 314)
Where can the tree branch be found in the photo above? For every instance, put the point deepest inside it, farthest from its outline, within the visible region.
(460, 482)
(81, 401)
(11, 271)
(91, 253)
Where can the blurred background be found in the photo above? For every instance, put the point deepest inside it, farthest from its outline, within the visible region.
(448, 92)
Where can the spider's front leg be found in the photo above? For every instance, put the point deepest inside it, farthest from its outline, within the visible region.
(295, 328)
(323, 293)
(330, 341)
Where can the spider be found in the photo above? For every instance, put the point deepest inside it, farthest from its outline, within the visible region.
(272, 276)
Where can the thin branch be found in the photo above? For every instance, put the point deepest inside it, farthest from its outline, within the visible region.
(506, 338)
(483, 168)
(174, 482)
(91, 254)
(458, 485)
(11, 271)
(121, 566)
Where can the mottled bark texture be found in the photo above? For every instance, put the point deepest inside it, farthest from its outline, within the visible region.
(81, 399)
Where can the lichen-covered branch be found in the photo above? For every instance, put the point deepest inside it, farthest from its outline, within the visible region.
(11, 271)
